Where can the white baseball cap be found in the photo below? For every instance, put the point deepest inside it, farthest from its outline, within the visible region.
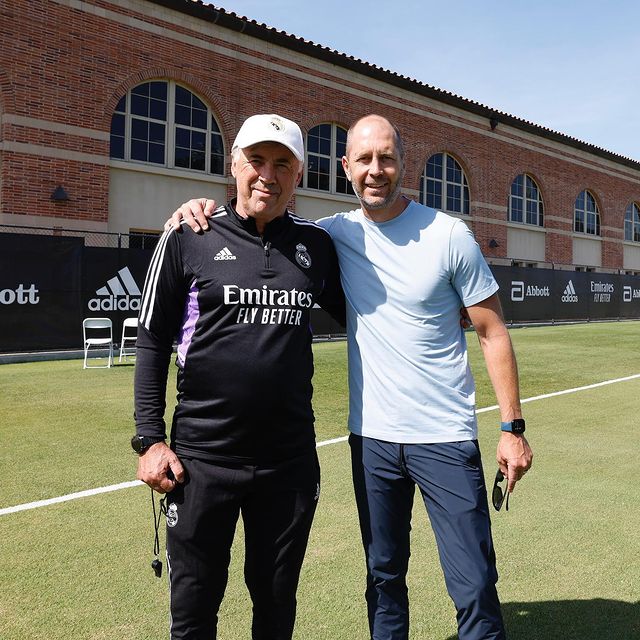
(270, 128)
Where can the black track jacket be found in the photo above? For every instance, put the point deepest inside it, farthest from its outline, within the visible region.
(239, 306)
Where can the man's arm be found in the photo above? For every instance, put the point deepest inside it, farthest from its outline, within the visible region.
(161, 310)
(514, 454)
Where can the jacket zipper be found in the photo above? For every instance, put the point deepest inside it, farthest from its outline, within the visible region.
(267, 254)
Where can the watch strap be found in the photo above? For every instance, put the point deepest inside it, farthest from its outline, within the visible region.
(516, 426)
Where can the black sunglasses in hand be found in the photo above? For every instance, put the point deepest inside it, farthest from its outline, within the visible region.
(498, 495)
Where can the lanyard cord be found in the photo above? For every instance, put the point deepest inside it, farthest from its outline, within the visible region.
(156, 565)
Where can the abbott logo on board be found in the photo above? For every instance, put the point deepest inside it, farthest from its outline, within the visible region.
(20, 295)
(121, 293)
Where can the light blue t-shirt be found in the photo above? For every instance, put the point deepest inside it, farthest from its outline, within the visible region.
(405, 281)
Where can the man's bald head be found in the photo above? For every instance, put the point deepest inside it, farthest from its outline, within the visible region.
(374, 119)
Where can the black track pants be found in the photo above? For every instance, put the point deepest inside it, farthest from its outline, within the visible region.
(277, 504)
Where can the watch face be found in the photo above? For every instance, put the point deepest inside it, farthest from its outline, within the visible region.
(136, 443)
(517, 425)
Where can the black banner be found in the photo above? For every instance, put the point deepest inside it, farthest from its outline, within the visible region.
(40, 304)
(48, 284)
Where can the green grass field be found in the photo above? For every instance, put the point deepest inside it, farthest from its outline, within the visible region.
(568, 549)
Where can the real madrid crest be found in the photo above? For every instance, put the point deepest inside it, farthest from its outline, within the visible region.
(302, 256)
(172, 515)
(276, 123)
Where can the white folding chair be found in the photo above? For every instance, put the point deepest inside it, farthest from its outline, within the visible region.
(130, 336)
(99, 340)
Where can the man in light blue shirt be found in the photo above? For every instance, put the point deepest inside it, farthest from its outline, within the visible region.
(406, 269)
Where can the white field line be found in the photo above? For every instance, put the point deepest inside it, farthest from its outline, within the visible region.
(136, 483)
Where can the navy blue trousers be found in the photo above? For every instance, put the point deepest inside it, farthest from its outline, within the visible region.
(450, 479)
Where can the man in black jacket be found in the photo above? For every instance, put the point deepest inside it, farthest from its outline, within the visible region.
(237, 299)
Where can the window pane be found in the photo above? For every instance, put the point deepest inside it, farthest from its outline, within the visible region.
(454, 190)
(158, 90)
(141, 89)
(325, 146)
(183, 137)
(139, 129)
(156, 153)
(323, 165)
(197, 160)
(532, 212)
(117, 124)
(516, 187)
(139, 150)
(196, 103)
(216, 144)
(117, 147)
(313, 144)
(122, 104)
(183, 96)
(183, 115)
(454, 172)
(434, 166)
(466, 200)
(313, 180)
(156, 132)
(199, 119)
(325, 131)
(182, 157)
(198, 140)
(516, 209)
(139, 105)
(214, 125)
(158, 109)
(217, 164)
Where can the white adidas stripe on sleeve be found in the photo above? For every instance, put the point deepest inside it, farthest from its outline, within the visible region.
(151, 282)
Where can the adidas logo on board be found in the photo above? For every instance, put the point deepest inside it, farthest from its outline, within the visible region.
(117, 294)
(569, 294)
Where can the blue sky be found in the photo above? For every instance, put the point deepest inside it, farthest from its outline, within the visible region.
(571, 66)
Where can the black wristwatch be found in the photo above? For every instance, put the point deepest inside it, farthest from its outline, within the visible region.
(141, 443)
(515, 426)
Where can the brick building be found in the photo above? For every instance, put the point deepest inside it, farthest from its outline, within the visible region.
(112, 112)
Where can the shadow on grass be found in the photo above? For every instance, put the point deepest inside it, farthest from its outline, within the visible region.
(596, 619)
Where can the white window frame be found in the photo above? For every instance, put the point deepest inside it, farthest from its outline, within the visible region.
(538, 202)
(170, 130)
(444, 182)
(334, 161)
(584, 195)
(632, 223)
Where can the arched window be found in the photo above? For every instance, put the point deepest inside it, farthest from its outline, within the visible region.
(162, 123)
(632, 223)
(443, 185)
(525, 201)
(586, 217)
(326, 144)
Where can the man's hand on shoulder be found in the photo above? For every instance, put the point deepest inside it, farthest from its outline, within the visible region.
(514, 457)
(160, 468)
(194, 213)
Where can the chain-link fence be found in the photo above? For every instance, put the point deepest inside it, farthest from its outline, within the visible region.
(133, 240)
